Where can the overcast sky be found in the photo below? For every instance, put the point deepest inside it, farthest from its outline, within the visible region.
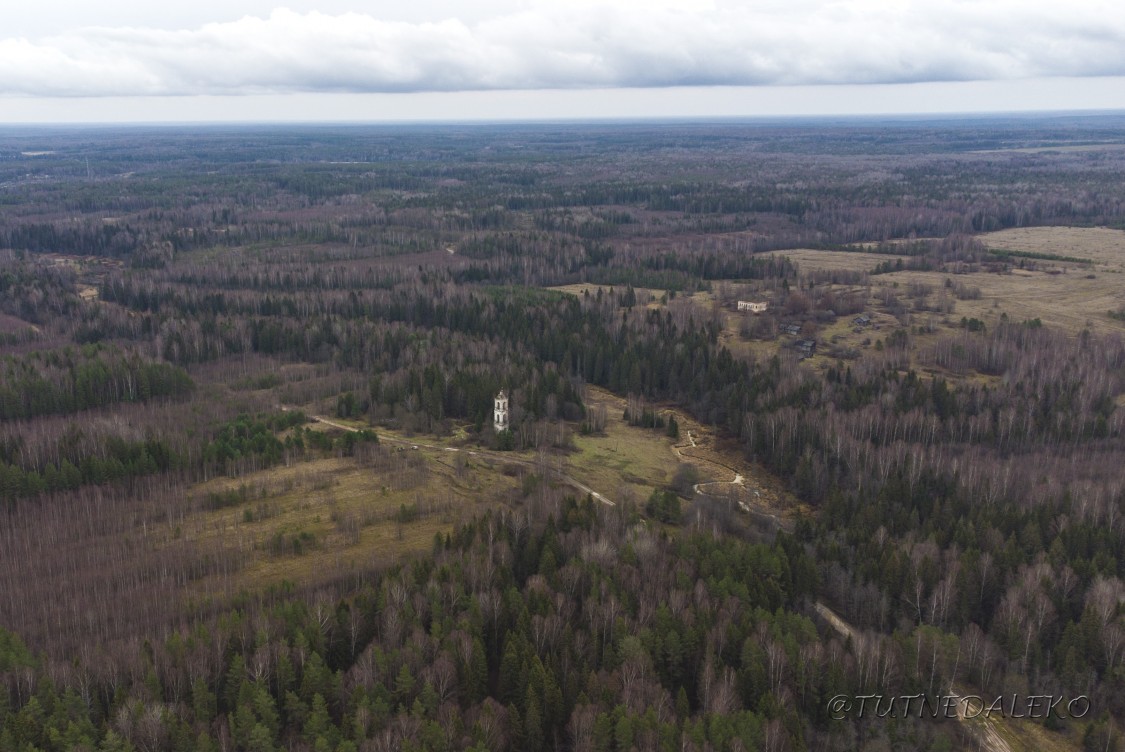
(72, 60)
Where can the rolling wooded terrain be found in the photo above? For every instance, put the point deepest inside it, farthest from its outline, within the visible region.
(252, 499)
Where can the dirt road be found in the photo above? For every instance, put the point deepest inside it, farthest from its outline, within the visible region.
(488, 453)
(983, 729)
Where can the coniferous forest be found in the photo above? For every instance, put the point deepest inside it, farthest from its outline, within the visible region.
(208, 333)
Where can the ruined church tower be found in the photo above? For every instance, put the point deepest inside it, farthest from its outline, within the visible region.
(500, 412)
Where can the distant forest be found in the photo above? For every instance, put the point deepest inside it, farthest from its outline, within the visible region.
(167, 294)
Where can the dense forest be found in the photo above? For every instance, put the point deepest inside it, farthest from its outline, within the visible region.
(181, 307)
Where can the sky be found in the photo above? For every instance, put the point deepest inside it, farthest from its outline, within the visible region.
(371, 60)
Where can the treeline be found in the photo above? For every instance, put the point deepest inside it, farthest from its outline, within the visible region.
(93, 238)
(465, 331)
(965, 488)
(35, 291)
(117, 460)
(97, 454)
(509, 637)
(433, 348)
(66, 381)
(250, 443)
(248, 437)
(96, 457)
(589, 631)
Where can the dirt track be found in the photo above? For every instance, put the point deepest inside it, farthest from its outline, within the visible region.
(982, 729)
(750, 500)
(502, 456)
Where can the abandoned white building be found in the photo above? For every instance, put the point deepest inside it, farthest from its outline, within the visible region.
(752, 306)
(500, 412)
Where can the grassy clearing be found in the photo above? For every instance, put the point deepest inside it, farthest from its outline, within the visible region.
(807, 258)
(1068, 300)
(1021, 734)
(1100, 244)
(1101, 147)
(314, 518)
(309, 519)
(625, 462)
(645, 295)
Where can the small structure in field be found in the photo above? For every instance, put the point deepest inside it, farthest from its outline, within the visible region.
(753, 306)
(862, 320)
(500, 412)
(806, 347)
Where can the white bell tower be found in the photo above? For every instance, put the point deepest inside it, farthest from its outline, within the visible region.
(500, 412)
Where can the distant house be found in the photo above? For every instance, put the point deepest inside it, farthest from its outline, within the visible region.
(791, 329)
(752, 306)
(806, 347)
(862, 320)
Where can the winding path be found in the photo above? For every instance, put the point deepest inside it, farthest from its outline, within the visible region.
(759, 511)
(698, 487)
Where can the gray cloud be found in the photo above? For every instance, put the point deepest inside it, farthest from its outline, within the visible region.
(581, 45)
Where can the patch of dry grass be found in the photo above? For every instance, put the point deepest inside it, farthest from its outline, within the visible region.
(1069, 300)
(1100, 244)
(807, 259)
(324, 516)
(625, 462)
(645, 295)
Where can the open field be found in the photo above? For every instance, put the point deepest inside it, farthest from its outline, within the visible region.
(1025, 735)
(326, 516)
(625, 463)
(1069, 295)
(1065, 294)
(1100, 244)
(645, 296)
(1069, 301)
(808, 259)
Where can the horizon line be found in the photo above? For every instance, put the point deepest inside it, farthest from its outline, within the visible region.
(905, 116)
